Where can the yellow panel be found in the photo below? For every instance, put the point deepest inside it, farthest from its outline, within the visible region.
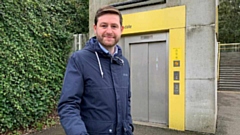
(173, 20)
(177, 102)
(154, 20)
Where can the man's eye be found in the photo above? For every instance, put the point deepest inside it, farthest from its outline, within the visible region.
(104, 26)
(114, 26)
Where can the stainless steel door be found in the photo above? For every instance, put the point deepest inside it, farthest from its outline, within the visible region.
(157, 82)
(149, 81)
(139, 81)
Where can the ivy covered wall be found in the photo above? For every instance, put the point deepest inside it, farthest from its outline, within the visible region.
(35, 41)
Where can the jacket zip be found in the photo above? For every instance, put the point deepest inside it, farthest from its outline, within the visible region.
(118, 125)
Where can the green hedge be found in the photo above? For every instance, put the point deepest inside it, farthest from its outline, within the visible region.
(35, 42)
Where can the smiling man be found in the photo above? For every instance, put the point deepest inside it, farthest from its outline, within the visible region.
(108, 29)
(95, 98)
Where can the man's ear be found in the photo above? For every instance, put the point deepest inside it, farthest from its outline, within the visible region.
(122, 28)
(94, 28)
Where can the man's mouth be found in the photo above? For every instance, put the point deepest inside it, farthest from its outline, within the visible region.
(109, 37)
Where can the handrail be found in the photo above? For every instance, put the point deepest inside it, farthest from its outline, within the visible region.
(228, 44)
(230, 47)
(226, 47)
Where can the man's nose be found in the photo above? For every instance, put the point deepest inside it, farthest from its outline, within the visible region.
(109, 29)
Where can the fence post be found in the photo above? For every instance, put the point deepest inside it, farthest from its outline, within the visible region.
(79, 41)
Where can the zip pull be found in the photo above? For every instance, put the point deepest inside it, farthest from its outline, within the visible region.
(121, 60)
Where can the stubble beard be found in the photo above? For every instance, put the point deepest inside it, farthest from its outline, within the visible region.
(108, 44)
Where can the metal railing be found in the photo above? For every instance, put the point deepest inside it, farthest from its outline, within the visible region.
(228, 47)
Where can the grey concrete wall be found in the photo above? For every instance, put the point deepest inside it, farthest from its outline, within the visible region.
(200, 65)
(200, 79)
(201, 59)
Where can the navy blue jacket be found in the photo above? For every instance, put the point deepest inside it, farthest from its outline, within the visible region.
(95, 98)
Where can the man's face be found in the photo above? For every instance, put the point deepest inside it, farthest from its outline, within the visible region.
(108, 30)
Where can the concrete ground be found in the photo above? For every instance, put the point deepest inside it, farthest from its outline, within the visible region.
(139, 130)
(228, 122)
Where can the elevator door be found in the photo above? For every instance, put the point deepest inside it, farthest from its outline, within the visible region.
(149, 82)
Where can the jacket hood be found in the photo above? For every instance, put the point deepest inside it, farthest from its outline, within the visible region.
(90, 44)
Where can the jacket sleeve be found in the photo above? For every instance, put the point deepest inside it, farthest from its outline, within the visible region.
(70, 99)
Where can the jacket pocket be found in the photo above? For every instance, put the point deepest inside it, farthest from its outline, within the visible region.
(99, 127)
(127, 128)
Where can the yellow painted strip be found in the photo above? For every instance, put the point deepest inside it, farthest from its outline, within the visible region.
(154, 20)
(177, 102)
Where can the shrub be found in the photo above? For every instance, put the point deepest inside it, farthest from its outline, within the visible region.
(35, 42)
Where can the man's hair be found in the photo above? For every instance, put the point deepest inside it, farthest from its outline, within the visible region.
(107, 10)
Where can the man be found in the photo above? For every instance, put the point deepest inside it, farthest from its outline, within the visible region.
(95, 97)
